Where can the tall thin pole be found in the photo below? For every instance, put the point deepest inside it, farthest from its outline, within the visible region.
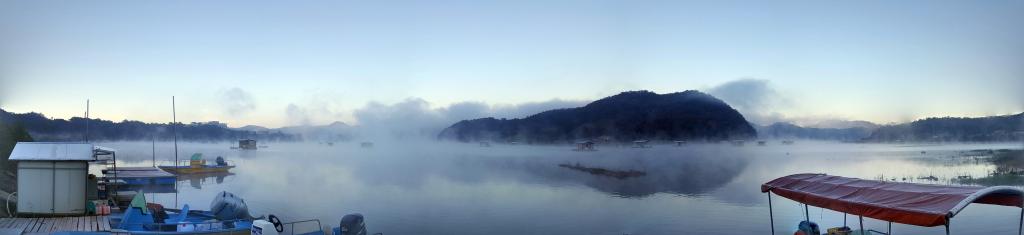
(153, 137)
(1020, 224)
(862, 224)
(771, 217)
(86, 120)
(807, 213)
(174, 128)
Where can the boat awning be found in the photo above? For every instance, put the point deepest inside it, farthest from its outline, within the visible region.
(916, 204)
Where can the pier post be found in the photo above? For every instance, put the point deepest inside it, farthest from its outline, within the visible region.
(861, 217)
(807, 213)
(771, 218)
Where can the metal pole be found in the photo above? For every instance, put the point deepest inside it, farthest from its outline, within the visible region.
(154, 150)
(771, 218)
(844, 219)
(1020, 224)
(807, 213)
(87, 120)
(890, 229)
(174, 128)
(114, 185)
(861, 224)
(947, 227)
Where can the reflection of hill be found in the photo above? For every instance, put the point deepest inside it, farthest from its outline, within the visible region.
(695, 170)
(686, 175)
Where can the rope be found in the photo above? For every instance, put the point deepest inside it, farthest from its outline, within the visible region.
(8, 204)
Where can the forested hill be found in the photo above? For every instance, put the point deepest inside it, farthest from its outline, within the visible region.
(628, 116)
(43, 128)
(983, 129)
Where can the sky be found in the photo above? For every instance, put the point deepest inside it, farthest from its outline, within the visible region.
(279, 63)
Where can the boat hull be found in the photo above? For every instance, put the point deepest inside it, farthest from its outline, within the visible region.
(195, 170)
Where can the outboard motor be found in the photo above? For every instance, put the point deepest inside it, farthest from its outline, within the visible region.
(352, 224)
(221, 162)
(227, 206)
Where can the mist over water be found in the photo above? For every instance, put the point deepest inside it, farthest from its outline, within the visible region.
(426, 187)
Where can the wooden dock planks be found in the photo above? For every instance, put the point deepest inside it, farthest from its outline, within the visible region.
(57, 224)
(104, 223)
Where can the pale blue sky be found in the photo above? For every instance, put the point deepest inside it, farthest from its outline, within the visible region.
(882, 61)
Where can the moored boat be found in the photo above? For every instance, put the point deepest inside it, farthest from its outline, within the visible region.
(351, 224)
(197, 165)
(926, 205)
(228, 215)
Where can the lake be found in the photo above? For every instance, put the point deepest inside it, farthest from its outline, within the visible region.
(453, 188)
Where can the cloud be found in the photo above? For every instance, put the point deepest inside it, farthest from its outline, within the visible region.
(236, 102)
(297, 115)
(756, 99)
(411, 118)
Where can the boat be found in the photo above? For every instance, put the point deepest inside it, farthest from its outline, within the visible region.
(197, 165)
(228, 215)
(351, 224)
(926, 205)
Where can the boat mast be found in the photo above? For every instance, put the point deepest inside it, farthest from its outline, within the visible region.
(153, 137)
(87, 120)
(174, 129)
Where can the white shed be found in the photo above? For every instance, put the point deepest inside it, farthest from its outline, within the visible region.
(52, 176)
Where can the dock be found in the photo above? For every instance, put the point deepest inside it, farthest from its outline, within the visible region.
(54, 224)
(140, 175)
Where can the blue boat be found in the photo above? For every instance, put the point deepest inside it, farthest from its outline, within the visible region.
(228, 215)
(351, 224)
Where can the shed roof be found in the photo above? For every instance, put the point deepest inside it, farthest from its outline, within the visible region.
(54, 151)
(916, 204)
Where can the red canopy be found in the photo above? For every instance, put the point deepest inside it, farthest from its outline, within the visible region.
(917, 204)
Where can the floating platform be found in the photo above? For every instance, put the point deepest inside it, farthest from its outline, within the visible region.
(140, 176)
(55, 224)
(204, 169)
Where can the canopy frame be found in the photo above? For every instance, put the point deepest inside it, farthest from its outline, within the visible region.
(962, 204)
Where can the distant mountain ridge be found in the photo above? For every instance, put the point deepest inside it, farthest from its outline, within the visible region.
(785, 130)
(627, 116)
(43, 128)
(980, 129)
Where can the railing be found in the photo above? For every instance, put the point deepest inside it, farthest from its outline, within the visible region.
(196, 225)
(293, 223)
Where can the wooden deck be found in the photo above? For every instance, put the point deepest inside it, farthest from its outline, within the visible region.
(56, 224)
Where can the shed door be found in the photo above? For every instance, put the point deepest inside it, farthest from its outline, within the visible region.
(35, 187)
(70, 186)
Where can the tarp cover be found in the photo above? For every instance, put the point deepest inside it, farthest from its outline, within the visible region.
(907, 203)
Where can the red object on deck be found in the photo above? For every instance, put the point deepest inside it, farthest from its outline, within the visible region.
(907, 203)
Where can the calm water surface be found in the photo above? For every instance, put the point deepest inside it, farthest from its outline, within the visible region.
(449, 188)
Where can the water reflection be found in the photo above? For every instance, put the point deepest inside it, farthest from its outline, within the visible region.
(198, 180)
(444, 188)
